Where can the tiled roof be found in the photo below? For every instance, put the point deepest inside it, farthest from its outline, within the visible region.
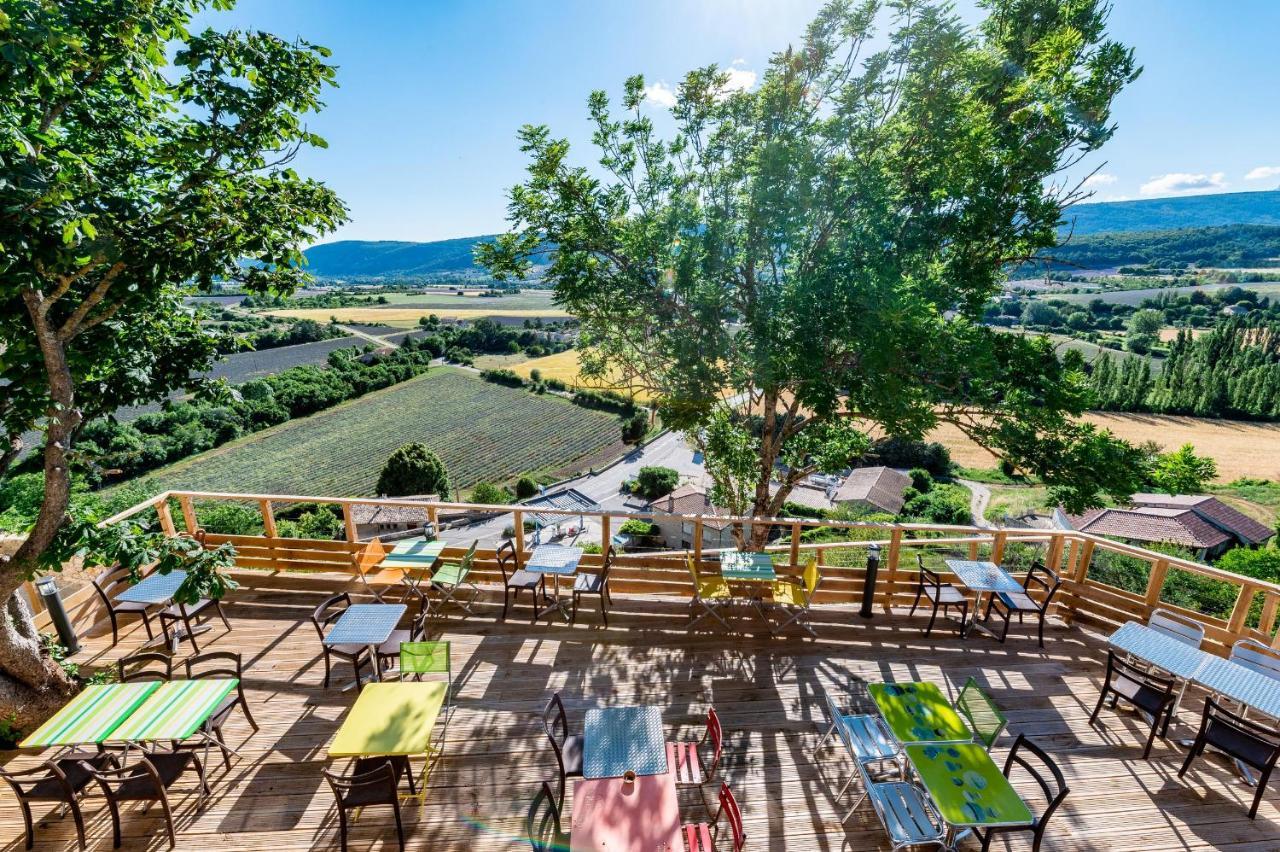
(881, 487)
(1152, 524)
(690, 499)
(1214, 511)
(570, 499)
(366, 513)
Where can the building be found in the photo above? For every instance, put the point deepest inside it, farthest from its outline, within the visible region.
(1199, 522)
(876, 489)
(371, 520)
(691, 499)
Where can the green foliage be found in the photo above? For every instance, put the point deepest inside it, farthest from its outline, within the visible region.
(1222, 246)
(635, 427)
(58, 653)
(654, 481)
(638, 528)
(502, 377)
(319, 522)
(945, 503)
(1182, 471)
(824, 245)
(225, 518)
(413, 469)
(10, 734)
(526, 487)
(487, 492)
(1260, 563)
(921, 479)
(904, 452)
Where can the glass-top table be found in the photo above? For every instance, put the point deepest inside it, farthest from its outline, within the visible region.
(918, 712)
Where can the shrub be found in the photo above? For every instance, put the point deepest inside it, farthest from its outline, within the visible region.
(921, 479)
(503, 377)
(638, 528)
(592, 547)
(944, 504)
(413, 469)
(901, 452)
(604, 401)
(487, 492)
(229, 518)
(653, 482)
(635, 427)
(526, 487)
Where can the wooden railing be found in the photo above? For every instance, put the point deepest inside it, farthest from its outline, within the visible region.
(662, 572)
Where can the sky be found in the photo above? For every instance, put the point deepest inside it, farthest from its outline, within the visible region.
(422, 129)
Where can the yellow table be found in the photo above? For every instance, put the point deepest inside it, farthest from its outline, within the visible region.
(394, 719)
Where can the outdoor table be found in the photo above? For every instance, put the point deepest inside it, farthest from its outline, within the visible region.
(558, 560)
(617, 739)
(966, 787)
(982, 578)
(414, 557)
(392, 719)
(747, 566)
(177, 710)
(159, 589)
(643, 816)
(90, 717)
(919, 712)
(1161, 650)
(366, 624)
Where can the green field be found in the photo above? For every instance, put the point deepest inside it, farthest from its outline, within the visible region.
(482, 432)
(1135, 297)
(527, 300)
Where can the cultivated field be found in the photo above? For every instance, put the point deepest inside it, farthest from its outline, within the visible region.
(1135, 297)
(406, 317)
(563, 366)
(481, 431)
(1239, 448)
(526, 300)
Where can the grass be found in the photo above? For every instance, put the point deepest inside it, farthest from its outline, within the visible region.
(482, 432)
(499, 362)
(528, 300)
(406, 317)
(1015, 500)
(564, 366)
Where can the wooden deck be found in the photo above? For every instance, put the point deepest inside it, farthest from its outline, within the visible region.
(767, 691)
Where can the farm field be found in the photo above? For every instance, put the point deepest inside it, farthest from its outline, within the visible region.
(482, 432)
(526, 300)
(1240, 448)
(1135, 297)
(563, 366)
(407, 317)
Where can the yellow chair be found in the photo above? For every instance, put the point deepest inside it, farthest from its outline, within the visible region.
(711, 592)
(797, 598)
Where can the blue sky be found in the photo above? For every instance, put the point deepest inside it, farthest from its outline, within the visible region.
(422, 129)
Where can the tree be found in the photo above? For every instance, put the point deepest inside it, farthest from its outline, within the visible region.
(130, 173)
(413, 469)
(805, 264)
(653, 481)
(1182, 471)
(1143, 330)
(1039, 313)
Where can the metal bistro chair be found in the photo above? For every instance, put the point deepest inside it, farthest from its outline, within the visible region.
(594, 584)
(711, 593)
(1257, 657)
(542, 823)
(516, 580)
(865, 740)
(430, 658)
(377, 787)
(905, 812)
(180, 613)
(112, 581)
(797, 598)
(1185, 630)
(357, 655)
(702, 836)
(1007, 604)
(1033, 760)
(1150, 692)
(984, 717)
(143, 661)
(1244, 740)
(451, 577)
(567, 747)
(390, 651)
(941, 595)
(147, 780)
(60, 781)
(220, 664)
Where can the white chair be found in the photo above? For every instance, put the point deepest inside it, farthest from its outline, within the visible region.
(1185, 630)
(905, 812)
(1254, 655)
(865, 739)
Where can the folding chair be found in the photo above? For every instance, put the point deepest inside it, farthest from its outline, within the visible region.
(450, 577)
(430, 658)
(984, 717)
(865, 739)
(707, 592)
(367, 559)
(797, 598)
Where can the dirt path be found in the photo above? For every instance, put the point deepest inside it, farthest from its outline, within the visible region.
(978, 502)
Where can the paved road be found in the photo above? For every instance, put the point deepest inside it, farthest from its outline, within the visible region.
(978, 502)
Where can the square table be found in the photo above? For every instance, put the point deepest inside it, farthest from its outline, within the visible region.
(981, 578)
(616, 739)
(366, 624)
(90, 717)
(558, 560)
(1160, 649)
(611, 815)
(747, 566)
(966, 787)
(413, 557)
(918, 712)
(393, 719)
(159, 589)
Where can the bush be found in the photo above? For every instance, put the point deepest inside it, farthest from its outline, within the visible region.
(413, 469)
(653, 482)
(503, 377)
(487, 492)
(901, 452)
(921, 479)
(526, 487)
(604, 401)
(229, 518)
(635, 427)
(944, 504)
(638, 528)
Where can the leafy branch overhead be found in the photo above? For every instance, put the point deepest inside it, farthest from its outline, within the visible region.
(800, 268)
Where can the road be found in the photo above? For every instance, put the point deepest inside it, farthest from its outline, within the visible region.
(978, 502)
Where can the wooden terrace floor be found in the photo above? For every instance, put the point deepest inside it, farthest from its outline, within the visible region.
(767, 691)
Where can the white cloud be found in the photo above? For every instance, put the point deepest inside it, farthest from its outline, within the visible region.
(1183, 183)
(739, 61)
(1263, 172)
(1100, 179)
(660, 95)
(740, 79)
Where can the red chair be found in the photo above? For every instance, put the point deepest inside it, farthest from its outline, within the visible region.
(690, 769)
(702, 836)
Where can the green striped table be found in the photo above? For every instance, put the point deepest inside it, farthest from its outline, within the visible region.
(91, 716)
(414, 553)
(175, 711)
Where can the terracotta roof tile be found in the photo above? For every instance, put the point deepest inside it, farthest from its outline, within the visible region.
(882, 487)
(1152, 524)
(1214, 511)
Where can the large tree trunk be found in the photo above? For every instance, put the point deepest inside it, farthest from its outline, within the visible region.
(32, 685)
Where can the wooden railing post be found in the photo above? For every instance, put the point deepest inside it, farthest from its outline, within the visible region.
(269, 518)
(1082, 564)
(795, 545)
(891, 578)
(1053, 559)
(433, 518)
(517, 520)
(1269, 605)
(349, 523)
(697, 542)
(997, 546)
(1240, 612)
(1155, 583)
(605, 539)
(166, 518)
(973, 551)
(188, 513)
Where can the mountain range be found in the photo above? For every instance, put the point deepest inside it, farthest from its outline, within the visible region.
(368, 258)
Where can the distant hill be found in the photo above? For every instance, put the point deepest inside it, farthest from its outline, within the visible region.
(1223, 246)
(354, 258)
(1162, 214)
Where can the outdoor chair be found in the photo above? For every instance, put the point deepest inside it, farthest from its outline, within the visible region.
(941, 595)
(220, 664)
(1048, 777)
(1257, 657)
(1150, 692)
(147, 779)
(1006, 604)
(983, 716)
(542, 823)
(567, 747)
(389, 651)
(377, 787)
(594, 584)
(711, 593)
(865, 740)
(905, 812)
(399, 764)
(450, 578)
(685, 758)
(59, 781)
(796, 599)
(146, 665)
(430, 658)
(516, 580)
(182, 613)
(108, 584)
(1244, 740)
(702, 836)
(357, 655)
(1186, 630)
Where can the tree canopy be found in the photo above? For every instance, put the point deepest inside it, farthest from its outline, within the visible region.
(413, 469)
(802, 267)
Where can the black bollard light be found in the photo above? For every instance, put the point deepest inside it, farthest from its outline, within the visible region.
(48, 589)
(869, 588)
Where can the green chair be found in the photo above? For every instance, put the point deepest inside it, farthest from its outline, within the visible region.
(430, 658)
(451, 577)
(984, 717)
